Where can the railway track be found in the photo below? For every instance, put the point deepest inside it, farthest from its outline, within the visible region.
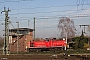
(45, 57)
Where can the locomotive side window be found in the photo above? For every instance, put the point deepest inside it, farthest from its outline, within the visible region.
(47, 39)
(54, 38)
(31, 45)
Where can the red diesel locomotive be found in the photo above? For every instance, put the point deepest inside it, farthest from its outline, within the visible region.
(46, 45)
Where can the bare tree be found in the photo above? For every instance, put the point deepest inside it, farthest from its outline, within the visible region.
(66, 26)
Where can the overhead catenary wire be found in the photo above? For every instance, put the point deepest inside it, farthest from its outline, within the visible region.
(12, 25)
(44, 7)
(48, 12)
(15, 1)
(51, 17)
(39, 7)
(49, 7)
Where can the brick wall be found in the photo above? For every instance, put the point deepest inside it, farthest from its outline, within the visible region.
(22, 43)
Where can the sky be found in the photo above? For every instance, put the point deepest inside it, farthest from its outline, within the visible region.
(47, 14)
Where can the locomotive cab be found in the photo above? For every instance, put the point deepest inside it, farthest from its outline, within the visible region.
(47, 39)
(31, 44)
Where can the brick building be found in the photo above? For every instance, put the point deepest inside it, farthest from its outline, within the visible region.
(23, 36)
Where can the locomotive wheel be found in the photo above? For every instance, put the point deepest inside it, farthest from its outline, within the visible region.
(38, 50)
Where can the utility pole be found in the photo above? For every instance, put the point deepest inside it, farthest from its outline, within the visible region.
(66, 37)
(34, 28)
(28, 26)
(6, 30)
(17, 37)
